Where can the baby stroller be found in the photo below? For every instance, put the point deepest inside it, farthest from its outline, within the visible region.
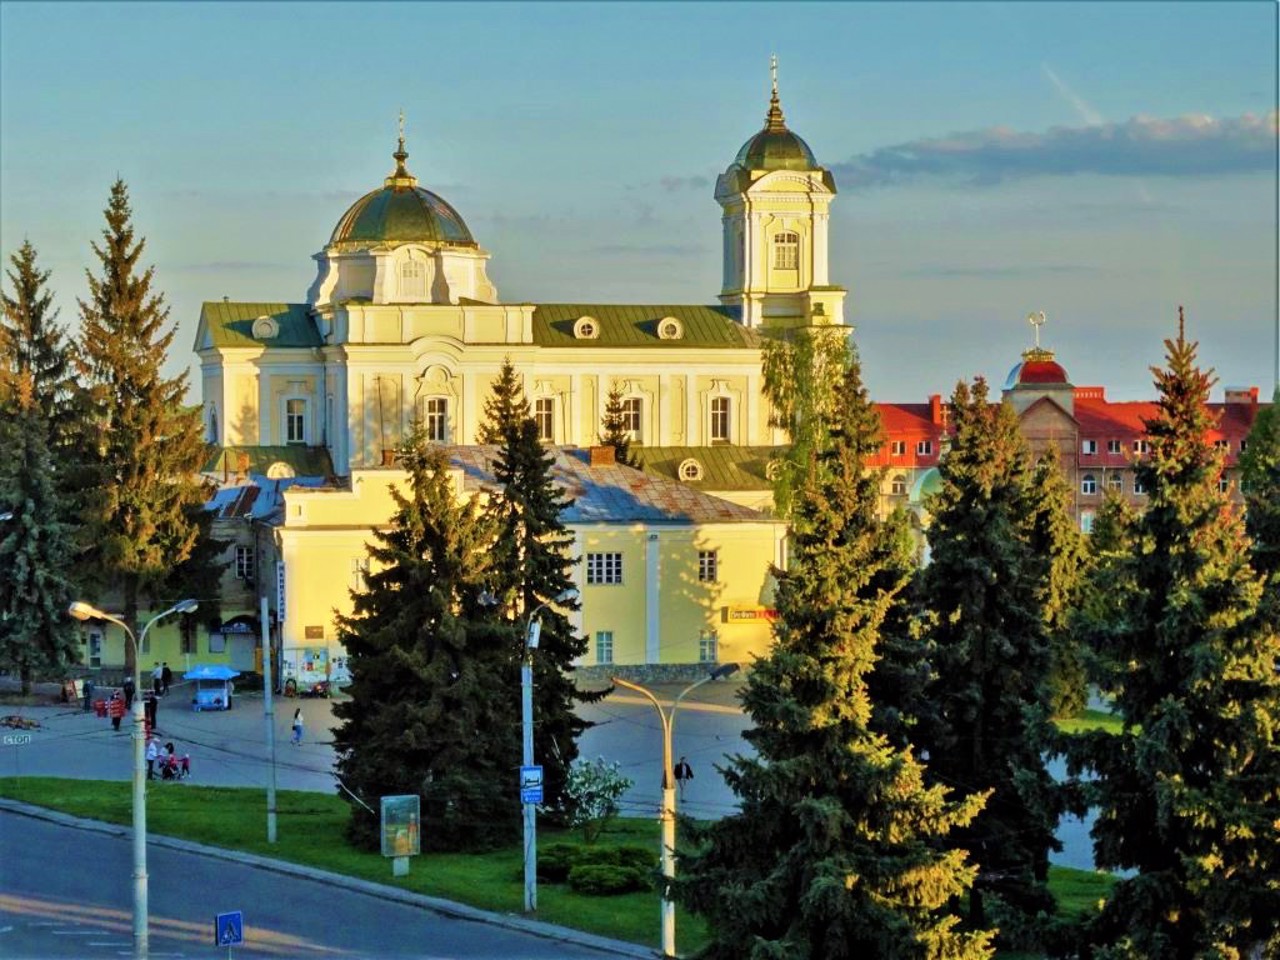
(173, 767)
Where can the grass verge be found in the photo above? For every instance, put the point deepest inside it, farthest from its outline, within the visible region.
(310, 832)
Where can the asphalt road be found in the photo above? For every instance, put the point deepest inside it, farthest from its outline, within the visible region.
(67, 893)
(228, 749)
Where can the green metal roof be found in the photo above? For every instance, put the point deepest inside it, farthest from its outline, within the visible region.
(304, 461)
(776, 150)
(231, 324)
(725, 467)
(636, 325)
(402, 214)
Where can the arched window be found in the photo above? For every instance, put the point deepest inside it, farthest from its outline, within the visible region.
(1116, 482)
(213, 424)
(1089, 484)
(786, 250)
(898, 485)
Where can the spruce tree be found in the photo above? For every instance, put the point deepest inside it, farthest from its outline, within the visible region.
(1260, 483)
(147, 447)
(533, 565)
(1060, 545)
(991, 660)
(838, 849)
(1189, 791)
(432, 709)
(506, 407)
(36, 420)
(614, 424)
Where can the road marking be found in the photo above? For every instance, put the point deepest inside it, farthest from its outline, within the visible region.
(109, 943)
(78, 933)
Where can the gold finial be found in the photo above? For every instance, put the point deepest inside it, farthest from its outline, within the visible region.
(774, 121)
(401, 176)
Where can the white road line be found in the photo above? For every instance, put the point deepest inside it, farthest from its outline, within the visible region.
(109, 943)
(78, 933)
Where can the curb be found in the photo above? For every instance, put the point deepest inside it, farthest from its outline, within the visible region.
(446, 908)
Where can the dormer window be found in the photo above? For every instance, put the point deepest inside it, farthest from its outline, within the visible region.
(586, 328)
(413, 280)
(669, 328)
(266, 328)
(690, 470)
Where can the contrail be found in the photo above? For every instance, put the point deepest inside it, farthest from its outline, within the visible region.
(1086, 112)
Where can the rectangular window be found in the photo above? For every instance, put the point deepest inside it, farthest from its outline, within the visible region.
(924, 448)
(1086, 522)
(413, 280)
(1113, 446)
(435, 419)
(708, 647)
(295, 421)
(544, 414)
(604, 568)
(898, 448)
(786, 250)
(1141, 446)
(720, 407)
(1116, 482)
(708, 566)
(244, 563)
(1224, 484)
(359, 574)
(217, 643)
(1088, 447)
(604, 646)
(1222, 444)
(632, 417)
(1139, 487)
(189, 642)
(1089, 485)
(1244, 445)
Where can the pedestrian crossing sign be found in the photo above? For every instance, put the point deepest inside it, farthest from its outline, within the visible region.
(228, 928)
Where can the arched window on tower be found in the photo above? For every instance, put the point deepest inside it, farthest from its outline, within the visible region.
(786, 250)
(213, 424)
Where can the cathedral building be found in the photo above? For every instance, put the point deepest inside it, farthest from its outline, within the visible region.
(307, 402)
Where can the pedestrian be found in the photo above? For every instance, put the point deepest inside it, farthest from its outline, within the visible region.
(157, 678)
(116, 709)
(88, 694)
(153, 754)
(129, 691)
(166, 677)
(683, 773)
(149, 705)
(296, 739)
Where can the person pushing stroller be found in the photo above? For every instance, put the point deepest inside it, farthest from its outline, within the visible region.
(173, 767)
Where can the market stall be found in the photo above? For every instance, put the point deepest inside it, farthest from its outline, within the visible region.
(213, 686)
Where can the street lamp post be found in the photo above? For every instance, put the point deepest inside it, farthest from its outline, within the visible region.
(83, 611)
(532, 631)
(667, 814)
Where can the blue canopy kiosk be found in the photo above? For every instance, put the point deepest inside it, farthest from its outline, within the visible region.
(213, 686)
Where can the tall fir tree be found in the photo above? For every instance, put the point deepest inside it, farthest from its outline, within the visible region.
(1062, 550)
(147, 448)
(614, 425)
(36, 421)
(533, 567)
(431, 710)
(1260, 483)
(990, 660)
(839, 847)
(1189, 791)
(506, 407)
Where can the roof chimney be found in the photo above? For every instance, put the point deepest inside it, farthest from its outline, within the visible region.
(1242, 395)
(935, 408)
(602, 457)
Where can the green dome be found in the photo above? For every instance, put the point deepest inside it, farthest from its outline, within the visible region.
(776, 150)
(402, 212)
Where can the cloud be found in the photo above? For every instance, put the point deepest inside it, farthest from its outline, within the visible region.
(672, 184)
(1188, 146)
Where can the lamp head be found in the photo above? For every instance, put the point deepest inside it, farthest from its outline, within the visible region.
(186, 606)
(487, 599)
(84, 611)
(7, 515)
(724, 670)
(567, 596)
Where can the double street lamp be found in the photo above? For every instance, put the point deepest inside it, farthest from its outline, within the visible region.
(667, 814)
(84, 611)
(532, 632)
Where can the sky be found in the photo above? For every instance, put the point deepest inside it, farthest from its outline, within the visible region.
(1103, 163)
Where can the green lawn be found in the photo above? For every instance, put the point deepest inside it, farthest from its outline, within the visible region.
(310, 827)
(1089, 720)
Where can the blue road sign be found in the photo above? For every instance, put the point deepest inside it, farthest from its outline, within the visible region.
(531, 784)
(228, 928)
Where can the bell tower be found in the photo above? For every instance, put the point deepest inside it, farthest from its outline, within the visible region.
(776, 201)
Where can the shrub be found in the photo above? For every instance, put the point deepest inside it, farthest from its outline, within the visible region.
(555, 860)
(593, 790)
(605, 879)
